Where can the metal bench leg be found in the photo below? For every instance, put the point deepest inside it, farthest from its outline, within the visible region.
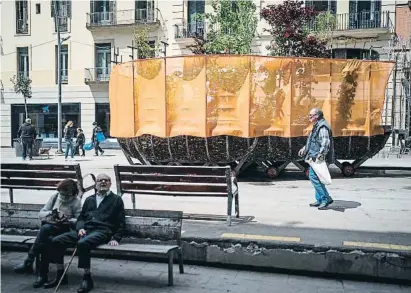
(237, 205)
(11, 195)
(180, 260)
(229, 209)
(170, 268)
(133, 200)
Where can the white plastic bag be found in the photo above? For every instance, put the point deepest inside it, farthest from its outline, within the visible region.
(321, 170)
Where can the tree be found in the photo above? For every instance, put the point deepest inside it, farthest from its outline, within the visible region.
(324, 24)
(141, 42)
(289, 22)
(231, 28)
(22, 85)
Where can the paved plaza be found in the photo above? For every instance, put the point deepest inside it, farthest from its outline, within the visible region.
(368, 209)
(114, 276)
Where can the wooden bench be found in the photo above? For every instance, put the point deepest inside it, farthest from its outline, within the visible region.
(177, 181)
(41, 177)
(149, 233)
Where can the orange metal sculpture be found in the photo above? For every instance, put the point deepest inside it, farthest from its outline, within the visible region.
(245, 96)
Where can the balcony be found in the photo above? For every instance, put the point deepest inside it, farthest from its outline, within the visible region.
(189, 31)
(97, 75)
(362, 24)
(121, 18)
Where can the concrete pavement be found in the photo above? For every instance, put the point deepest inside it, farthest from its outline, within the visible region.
(370, 214)
(112, 276)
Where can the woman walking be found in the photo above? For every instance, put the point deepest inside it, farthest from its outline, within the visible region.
(68, 137)
(60, 211)
(81, 139)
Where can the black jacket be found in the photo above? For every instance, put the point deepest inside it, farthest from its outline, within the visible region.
(80, 139)
(27, 130)
(69, 133)
(108, 217)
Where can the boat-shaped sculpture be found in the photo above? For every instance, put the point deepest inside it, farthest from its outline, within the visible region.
(244, 110)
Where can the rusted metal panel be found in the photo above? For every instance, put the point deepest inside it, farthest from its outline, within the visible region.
(172, 178)
(46, 167)
(210, 188)
(39, 174)
(186, 170)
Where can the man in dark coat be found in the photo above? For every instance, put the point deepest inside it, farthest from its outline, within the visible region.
(94, 139)
(27, 133)
(101, 221)
(320, 146)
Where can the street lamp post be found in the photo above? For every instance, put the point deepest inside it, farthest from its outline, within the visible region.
(59, 112)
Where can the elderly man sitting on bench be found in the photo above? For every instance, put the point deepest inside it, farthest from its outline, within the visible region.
(101, 221)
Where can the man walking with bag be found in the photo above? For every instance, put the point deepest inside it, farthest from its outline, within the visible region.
(319, 148)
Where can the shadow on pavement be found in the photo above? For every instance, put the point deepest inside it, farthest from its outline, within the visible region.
(342, 205)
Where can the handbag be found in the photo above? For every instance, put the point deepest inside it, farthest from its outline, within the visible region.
(100, 136)
(321, 170)
(55, 219)
(88, 146)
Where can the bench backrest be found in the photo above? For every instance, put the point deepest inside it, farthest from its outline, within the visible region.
(140, 224)
(173, 180)
(38, 176)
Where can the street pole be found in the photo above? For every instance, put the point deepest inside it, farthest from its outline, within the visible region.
(59, 114)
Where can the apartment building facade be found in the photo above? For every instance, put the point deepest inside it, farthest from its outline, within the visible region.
(97, 32)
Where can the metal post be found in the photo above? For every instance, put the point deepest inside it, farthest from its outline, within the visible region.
(394, 93)
(59, 114)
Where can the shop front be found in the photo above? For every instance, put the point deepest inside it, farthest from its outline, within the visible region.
(44, 118)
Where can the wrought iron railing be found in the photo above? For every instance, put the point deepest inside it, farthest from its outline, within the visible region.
(190, 30)
(121, 17)
(98, 74)
(356, 21)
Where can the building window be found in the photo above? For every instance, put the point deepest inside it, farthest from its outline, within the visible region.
(144, 10)
(103, 118)
(102, 12)
(44, 118)
(38, 8)
(23, 65)
(365, 14)
(322, 6)
(63, 9)
(103, 62)
(64, 61)
(195, 8)
(22, 17)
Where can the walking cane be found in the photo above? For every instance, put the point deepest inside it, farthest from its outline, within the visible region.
(66, 269)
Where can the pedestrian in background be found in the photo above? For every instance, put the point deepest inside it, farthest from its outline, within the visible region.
(96, 130)
(80, 140)
(319, 146)
(27, 133)
(68, 137)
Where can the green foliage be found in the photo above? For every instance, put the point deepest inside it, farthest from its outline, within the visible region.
(22, 85)
(141, 42)
(231, 27)
(325, 23)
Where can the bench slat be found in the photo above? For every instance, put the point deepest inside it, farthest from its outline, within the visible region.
(15, 238)
(31, 183)
(173, 178)
(174, 170)
(148, 248)
(174, 193)
(29, 187)
(209, 188)
(39, 174)
(44, 167)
